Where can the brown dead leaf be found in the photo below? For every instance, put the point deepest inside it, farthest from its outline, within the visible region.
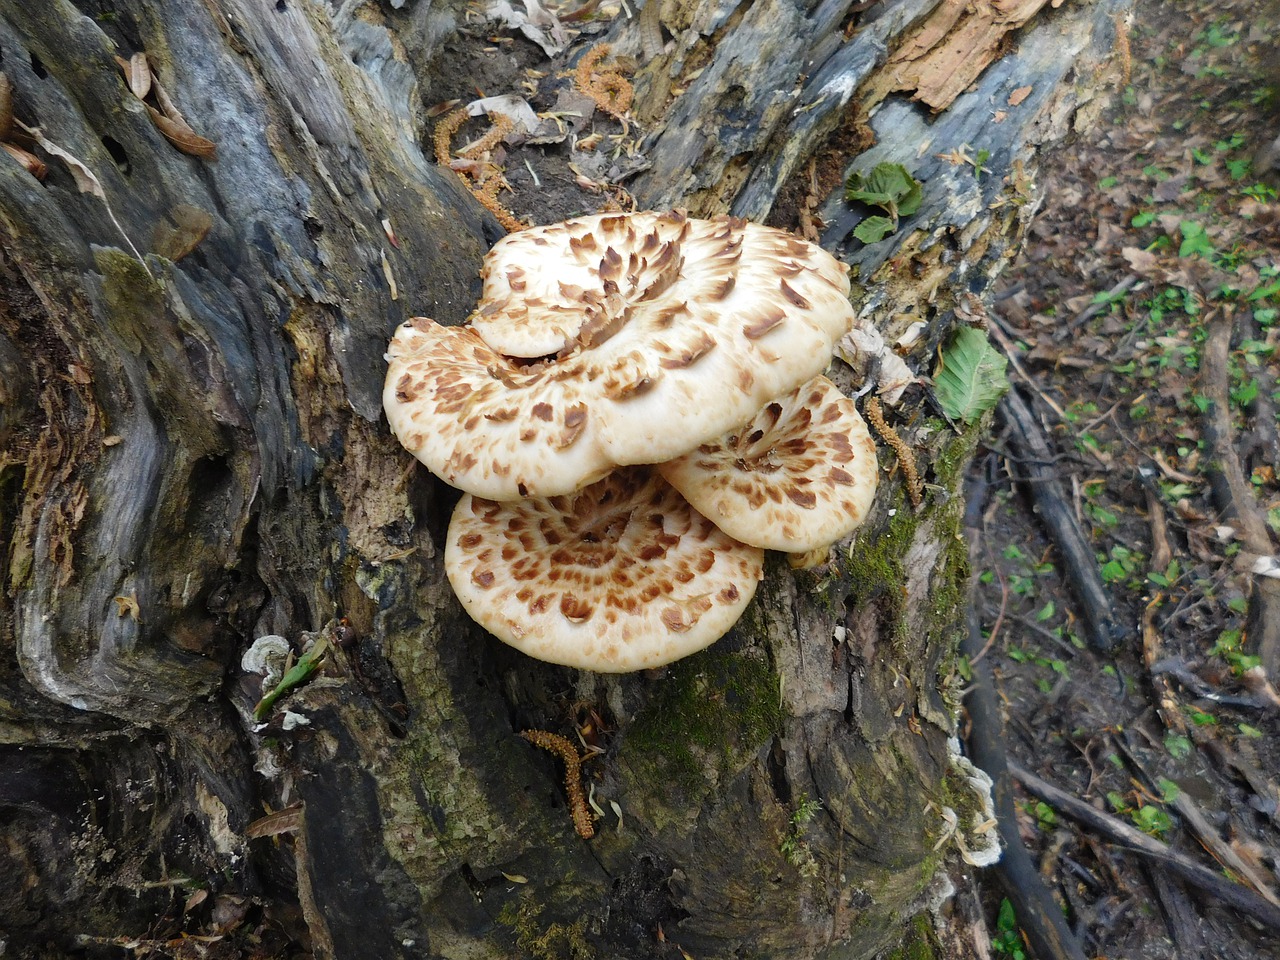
(179, 133)
(956, 157)
(138, 75)
(168, 118)
(86, 180)
(35, 166)
(1019, 95)
(6, 107)
(1143, 262)
(441, 108)
(128, 607)
(180, 232)
(195, 900)
(287, 820)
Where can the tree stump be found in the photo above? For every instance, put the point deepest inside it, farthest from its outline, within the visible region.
(193, 456)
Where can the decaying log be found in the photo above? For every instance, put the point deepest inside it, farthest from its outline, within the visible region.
(1035, 457)
(1233, 496)
(194, 458)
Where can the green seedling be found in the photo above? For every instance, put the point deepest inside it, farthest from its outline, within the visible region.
(294, 677)
(890, 187)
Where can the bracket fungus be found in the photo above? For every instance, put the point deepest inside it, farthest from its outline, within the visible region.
(604, 344)
(592, 335)
(622, 575)
(800, 475)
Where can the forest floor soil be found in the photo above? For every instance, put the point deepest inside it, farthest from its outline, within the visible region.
(1157, 226)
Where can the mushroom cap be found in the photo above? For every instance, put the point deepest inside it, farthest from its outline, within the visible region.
(623, 575)
(666, 343)
(801, 475)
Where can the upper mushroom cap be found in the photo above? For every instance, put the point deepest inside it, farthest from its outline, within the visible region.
(623, 575)
(801, 475)
(657, 333)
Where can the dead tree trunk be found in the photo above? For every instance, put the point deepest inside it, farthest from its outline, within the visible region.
(192, 456)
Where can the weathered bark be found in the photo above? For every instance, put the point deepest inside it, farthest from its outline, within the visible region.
(193, 457)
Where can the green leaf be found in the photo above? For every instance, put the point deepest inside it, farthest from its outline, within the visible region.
(1194, 240)
(890, 186)
(1143, 219)
(972, 377)
(874, 229)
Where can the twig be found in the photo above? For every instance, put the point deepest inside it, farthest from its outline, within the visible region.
(1210, 881)
(1204, 831)
(995, 627)
(1166, 702)
(1081, 568)
(1038, 914)
(1233, 495)
(1091, 311)
(1001, 337)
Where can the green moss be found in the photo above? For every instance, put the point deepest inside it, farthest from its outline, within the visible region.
(918, 941)
(557, 941)
(711, 710)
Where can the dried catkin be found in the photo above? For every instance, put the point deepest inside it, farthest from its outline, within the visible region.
(567, 752)
(610, 90)
(906, 459)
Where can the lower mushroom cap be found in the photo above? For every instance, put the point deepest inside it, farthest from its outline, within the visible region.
(623, 575)
(799, 476)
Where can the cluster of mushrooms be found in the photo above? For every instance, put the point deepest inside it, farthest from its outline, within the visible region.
(635, 411)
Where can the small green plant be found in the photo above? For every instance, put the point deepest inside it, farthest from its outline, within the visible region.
(1167, 578)
(1179, 746)
(1230, 647)
(889, 186)
(980, 163)
(1008, 940)
(793, 846)
(1194, 240)
(1148, 818)
(1046, 817)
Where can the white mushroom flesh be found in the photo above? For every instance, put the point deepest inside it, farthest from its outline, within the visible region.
(623, 575)
(801, 475)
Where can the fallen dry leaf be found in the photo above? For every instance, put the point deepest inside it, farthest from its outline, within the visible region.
(1019, 95)
(6, 107)
(138, 75)
(180, 232)
(168, 118)
(35, 166)
(128, 607)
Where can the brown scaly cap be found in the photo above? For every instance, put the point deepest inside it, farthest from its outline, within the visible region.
(612, 340)
(623, 575)
(799, 476)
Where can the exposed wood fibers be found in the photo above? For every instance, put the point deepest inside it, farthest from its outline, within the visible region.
(567, 752)
(487, 193)
(906, 459)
